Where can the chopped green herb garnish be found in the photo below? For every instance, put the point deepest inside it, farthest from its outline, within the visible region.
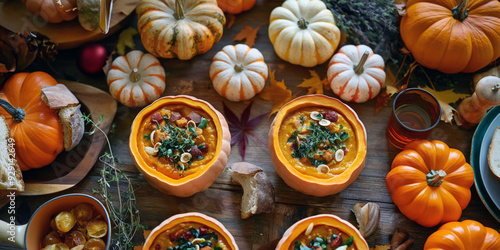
(147, 136)
(349, 241)
(201, 146)
(203, 123)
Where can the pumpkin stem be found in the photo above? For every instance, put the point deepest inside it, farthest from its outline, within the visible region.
(238, 67)
(461, 12)
(303, 23)
(358, 69)
(179, 10)
(495, 88)
(435, 178)
(16, 113)
(135, 76)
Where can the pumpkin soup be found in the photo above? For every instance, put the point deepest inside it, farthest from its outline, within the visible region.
(323, 237)
(177, 140)
(318, 142)
(189, 235)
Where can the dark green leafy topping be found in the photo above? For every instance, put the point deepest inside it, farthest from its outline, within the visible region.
(309, 146)
(203, 123)
(147, 136)
(349, 241)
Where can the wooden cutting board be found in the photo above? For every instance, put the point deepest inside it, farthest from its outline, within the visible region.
(71, 167)
(69, 34)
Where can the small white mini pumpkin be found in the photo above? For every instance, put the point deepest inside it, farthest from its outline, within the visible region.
(303, 32)
(136, 79)
(356, 74)
(238, 72)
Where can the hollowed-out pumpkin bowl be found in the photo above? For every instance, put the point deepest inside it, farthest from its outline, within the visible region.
(205, 174)
(313, 184)
(181, 223)
(300, 229)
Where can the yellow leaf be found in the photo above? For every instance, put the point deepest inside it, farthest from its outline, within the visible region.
(276, 92)
(146, 233)
(447, 96)
(314, 84)
(446, 112)
(381, 247)
(140, 247)
(248, 34)
(126, 40)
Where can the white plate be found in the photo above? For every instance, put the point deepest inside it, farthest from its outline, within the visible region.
(491, 182)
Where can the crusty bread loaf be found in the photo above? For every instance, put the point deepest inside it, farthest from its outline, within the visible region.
(258, 192)
(11, 178)
(58, 96)
(73, 126)
(61, 98)
(494, 153)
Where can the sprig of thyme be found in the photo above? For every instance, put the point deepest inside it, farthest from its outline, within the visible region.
(120, 201)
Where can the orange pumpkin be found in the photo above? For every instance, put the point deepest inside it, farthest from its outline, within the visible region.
(308, 183)
(464, 235)
(235, 6)
(452, 38)
(190, 218)
(52, 11)
(35, 127)
(204, 175)
(301, 227)
(430, 182)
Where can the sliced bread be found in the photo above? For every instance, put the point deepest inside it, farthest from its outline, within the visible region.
(73, 126)
(11, 177)
(258, 192)
(58, 96)
(494, 153)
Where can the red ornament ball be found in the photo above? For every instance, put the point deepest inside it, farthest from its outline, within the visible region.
(92, 58)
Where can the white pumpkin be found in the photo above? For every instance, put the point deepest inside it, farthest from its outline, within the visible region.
(136, 79)
(303, 32)
(356, 74)
(238, 72)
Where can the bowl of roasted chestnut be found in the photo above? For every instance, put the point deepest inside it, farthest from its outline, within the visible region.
(71, 221)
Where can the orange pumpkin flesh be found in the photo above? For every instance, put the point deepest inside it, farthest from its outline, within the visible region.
(464, 235)
(430, 182)
(305, 183)
(38, 137)
(193, 217)
(205, 175)
(297, 229)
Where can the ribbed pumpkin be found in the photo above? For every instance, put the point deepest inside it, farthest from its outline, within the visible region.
(331, 220)
(35, 128)
(235, 6)
(430, 182)
(452, 37)
(52, 11)
(308, 184)
(203, 177)
(464, 235)
(356, 74)
(303, 32)
(192, 217)
(179, 28)
(238, 72)
(136, 79)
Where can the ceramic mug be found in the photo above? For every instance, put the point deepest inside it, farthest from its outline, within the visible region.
(29, 236)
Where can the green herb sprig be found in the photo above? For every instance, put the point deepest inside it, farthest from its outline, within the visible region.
(117, 193)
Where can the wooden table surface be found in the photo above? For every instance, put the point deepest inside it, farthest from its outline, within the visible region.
(222, 200)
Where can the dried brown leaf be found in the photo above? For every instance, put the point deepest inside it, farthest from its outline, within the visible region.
(276, 92)
(146, 233)
(381, 100)
(140, 247)
(381, 247)
(248, 34)
(314, 84)
(230, 18)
